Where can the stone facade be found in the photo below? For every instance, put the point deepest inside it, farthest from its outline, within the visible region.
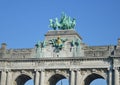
(61, 55)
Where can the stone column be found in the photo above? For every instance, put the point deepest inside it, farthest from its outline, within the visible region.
(116, 76)
(9, 78)
(72, 78)
(42, 77)
(37, 77)
(109, 77)
(3, 78)
(77, 78)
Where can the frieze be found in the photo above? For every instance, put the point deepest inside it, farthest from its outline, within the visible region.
(97, 53)
(76, 63)
(40, 63)
(57, 63)
(79, 63)
(22, 64)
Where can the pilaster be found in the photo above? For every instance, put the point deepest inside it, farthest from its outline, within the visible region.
(9, 77)
(3, 77)
(42, 76)
(72, 77)
(37, 74)
(109, 79)
(116, 76)
(77, 78)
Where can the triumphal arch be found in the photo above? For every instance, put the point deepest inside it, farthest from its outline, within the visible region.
(62, 55)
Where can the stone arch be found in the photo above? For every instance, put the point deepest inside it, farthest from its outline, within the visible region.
(92, 77)
(22, 72)
(55, 78)
(22, 79)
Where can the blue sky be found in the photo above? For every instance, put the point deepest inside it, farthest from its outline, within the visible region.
(24, 22)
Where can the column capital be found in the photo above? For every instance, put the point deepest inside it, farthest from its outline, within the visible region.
(116, 68)
(75, 69)
(72, 69)
(109, 69)
(78, 69)
(3, 70)
(8, 70)
(39, 70)
(36, 70)
(42, 70)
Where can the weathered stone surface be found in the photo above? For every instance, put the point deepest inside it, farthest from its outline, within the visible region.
(77, 62)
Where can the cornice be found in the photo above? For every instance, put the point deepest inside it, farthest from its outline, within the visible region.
(55, 58)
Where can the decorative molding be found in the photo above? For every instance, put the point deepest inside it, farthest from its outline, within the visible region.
(116, 68)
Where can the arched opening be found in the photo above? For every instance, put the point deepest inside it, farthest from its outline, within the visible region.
(57, 79)
(29, 82)
(99, 81)
(63, 82)
(22, 79)
(91, 79)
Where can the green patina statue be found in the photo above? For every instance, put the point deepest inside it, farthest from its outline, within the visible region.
(65, 23)
(58, 43)
(75, 43)
(40, 44)
(39, 47)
